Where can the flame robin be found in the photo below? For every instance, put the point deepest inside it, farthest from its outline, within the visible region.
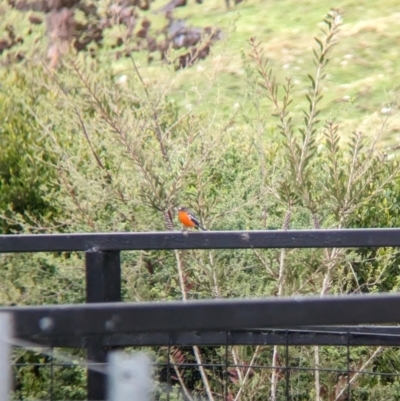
(188, 219)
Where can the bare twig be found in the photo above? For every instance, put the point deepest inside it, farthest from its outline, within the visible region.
(360, 371)
(281, 289)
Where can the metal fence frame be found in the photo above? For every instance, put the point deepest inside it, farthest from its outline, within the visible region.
(104, 322)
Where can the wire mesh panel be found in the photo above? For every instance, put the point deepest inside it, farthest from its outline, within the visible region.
(48, 374)
(228, 371)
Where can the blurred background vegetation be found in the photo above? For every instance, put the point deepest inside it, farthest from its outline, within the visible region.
(114, 113)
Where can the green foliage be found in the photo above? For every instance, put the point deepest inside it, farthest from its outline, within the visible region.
(42, 377)
(41, 279)
(24, 172)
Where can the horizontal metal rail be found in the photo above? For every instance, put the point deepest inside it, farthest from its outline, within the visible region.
(333, 336)
(212, 315)
(349, 238)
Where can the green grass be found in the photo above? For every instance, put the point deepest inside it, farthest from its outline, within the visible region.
(364, 67)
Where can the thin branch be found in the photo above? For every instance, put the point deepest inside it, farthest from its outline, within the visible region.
(360, 371)
(180, 378)
(247, 374)
(281, 291)
(159, 132)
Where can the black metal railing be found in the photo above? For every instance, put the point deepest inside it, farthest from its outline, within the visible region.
(105, 323)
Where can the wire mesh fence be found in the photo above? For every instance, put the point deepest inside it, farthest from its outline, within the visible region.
(207, 350)
(255, 370)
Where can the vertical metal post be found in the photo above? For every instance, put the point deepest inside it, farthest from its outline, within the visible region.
(169, 385)
(226, 361)
(103, 284)
(288, 396)
(348, 368)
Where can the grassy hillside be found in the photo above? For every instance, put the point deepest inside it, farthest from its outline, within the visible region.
(362, 75)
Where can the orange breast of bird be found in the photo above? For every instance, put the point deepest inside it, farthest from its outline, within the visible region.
(184, 218)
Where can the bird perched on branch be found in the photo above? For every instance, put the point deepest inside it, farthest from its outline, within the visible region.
(188, 219)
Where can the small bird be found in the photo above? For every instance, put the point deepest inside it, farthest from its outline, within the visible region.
(188, 219)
